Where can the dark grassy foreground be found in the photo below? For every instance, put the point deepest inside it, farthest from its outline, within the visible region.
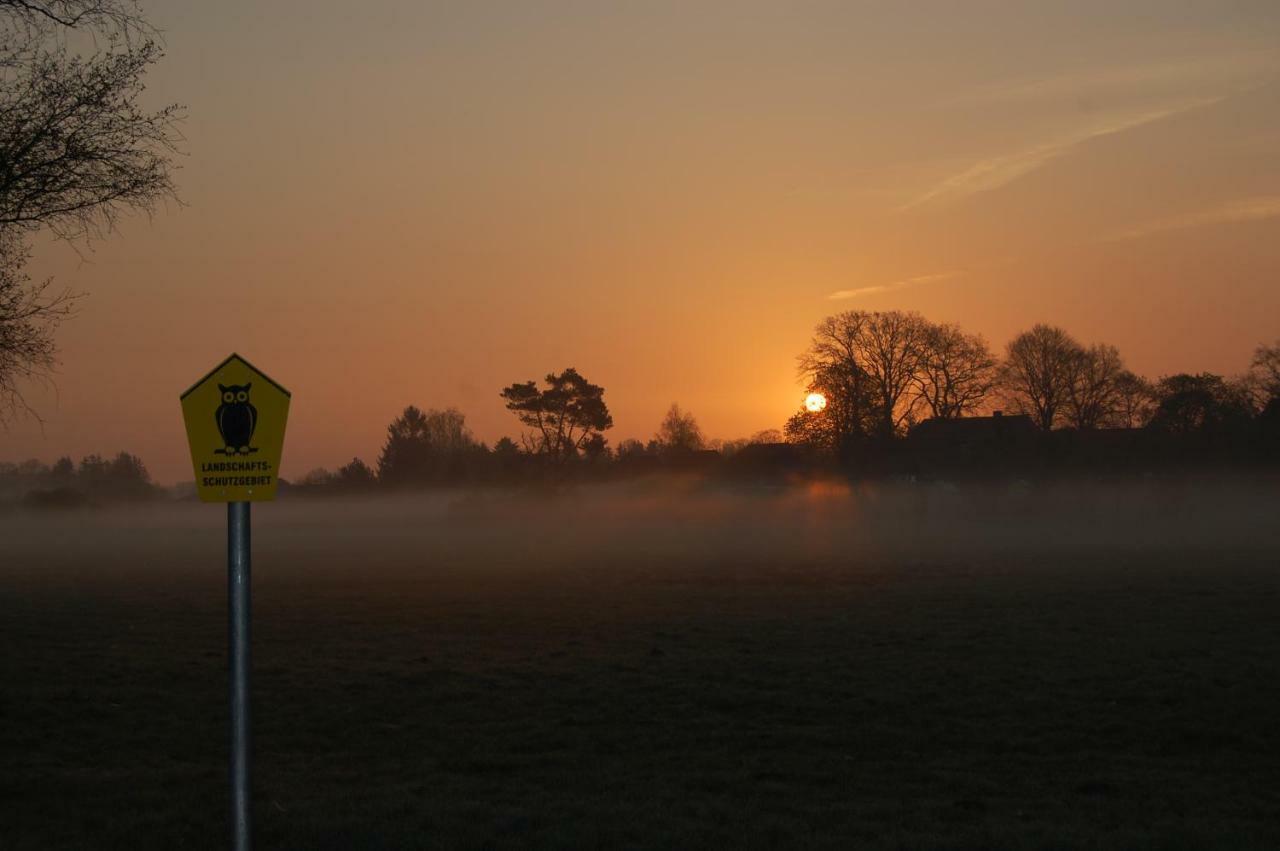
(814, 670)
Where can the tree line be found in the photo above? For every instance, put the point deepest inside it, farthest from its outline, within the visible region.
(64, 483)
(883, 372)
(880, 373)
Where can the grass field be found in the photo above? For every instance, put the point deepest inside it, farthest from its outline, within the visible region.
(658, 666)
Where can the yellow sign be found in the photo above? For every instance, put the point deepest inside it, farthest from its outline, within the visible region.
(235, 419)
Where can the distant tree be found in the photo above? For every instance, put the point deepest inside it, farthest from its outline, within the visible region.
(630, 448)
(121, 477)
(814, 429)
(355, 475)
(1037, 372)
(423, 446)
(93, 469)
(505, 448)
(563, 417)
(32, 468)
(1266, 370)
(63, 470)
(1092, 394)
(955, 371)
(596, 448)
(315, 479)
(1134, 401)
(768, 435)
(1200, 404)
(128, 470)
(679, 432)
(406, 455)
(18, 479)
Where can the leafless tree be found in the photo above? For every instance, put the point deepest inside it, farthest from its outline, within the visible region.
(1092, 395)
(76, 147)
(955, 372)
(1266, 369)
(113, 17)
(1037, 372)
(1135, 401)
(29, 316)
(76, 150)
(679, 432)
(858, 356)
(832, 366)
(892, 354)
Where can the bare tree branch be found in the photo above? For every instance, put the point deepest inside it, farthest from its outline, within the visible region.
(77, 149)
(29, 316)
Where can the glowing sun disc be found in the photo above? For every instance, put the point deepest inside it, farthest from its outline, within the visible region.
(815, 402)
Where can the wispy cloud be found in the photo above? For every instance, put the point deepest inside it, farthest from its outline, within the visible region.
(840, 295)
(1241, 210)
(998, 171)
(1144, 80)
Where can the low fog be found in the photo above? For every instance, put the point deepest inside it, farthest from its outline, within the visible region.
(665, 524)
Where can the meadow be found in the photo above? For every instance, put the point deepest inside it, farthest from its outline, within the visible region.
(659, 664)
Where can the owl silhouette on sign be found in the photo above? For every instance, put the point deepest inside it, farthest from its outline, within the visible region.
(236, 418)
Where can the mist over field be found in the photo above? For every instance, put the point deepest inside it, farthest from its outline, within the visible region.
(657, 664)
(669, 522)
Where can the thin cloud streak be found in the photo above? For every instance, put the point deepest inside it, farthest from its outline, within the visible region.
(995, 172)
(1232, 212)
(1224, 69)
(840, 295)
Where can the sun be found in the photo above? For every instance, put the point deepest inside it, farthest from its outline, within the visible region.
(815, 402)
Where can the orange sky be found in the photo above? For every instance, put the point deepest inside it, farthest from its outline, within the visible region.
(423, 202)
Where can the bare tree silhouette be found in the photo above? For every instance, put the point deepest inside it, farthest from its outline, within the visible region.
(1037, 372)
(1134, 401)
(76, 150)
(76, 145)
(1092, 394)
(29, 317)
(679, 432)
(955, 371)
(1266, 369)
(861, 359)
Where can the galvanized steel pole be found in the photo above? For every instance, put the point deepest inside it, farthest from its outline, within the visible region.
(238, 581)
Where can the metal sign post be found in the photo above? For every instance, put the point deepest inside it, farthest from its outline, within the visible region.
(235, 418)
(238, 594)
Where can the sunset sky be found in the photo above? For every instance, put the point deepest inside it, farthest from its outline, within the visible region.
(409, 202)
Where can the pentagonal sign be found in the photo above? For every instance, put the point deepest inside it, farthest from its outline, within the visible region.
(235, 420)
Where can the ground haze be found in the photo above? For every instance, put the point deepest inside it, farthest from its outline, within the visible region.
(658, 665)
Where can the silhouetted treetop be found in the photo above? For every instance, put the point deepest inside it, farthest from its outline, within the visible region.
(1201, 404)
(29, 316)
(955, 371)
(422, 446)
(563, 417)
(1266, 369)
(1092, 389)
(679, 432)
(1037, 373)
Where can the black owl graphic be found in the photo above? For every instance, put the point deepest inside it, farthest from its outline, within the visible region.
(236, 418)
